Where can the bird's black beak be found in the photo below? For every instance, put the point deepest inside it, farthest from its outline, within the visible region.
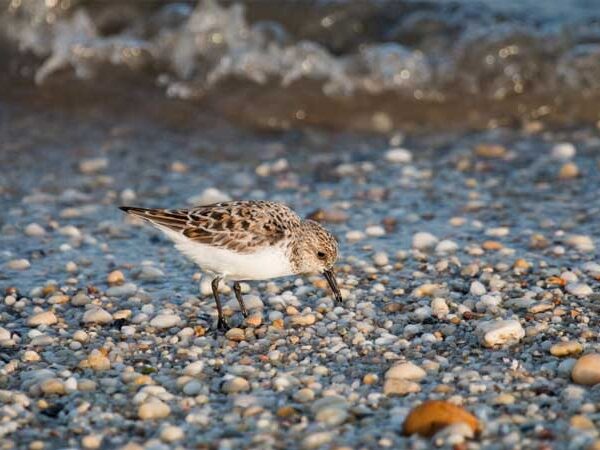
(330, 277)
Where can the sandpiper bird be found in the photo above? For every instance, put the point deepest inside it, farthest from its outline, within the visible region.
(247, 240)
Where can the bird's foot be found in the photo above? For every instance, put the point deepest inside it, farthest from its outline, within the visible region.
(222, 325)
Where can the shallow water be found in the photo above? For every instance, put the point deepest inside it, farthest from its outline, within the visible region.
(374, 65)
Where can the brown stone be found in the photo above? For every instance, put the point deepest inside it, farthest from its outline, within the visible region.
(433, 415)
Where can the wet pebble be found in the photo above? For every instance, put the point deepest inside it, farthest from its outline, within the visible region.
(35, 230)
(501, 332)
(424, 240)
(163, 321)
(153, 409)
(18, 264)
(586, 370)
(42, 318)
(98, 316)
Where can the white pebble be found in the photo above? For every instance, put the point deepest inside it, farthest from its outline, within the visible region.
(18, 264)
(500, 332)
(92, 165)
(563, 151)
(209, 196)
(165, 321)
(446, 247)
(34, 230)
(355, 235)
(579, 289)
(375, 231)
(381, 259)
(439, 307)
(398, 156)
(171, 433)
(424, 240)
(477, 288)
(97, 315)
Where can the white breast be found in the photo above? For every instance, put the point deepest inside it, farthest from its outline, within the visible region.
(270, 262)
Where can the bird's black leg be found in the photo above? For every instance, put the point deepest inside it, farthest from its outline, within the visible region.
(221, 324)
(238, 294)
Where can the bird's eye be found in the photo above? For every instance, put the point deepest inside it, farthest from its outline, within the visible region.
(320, 255)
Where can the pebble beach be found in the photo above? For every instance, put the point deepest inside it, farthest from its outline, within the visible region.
(451, 147)
(469, 268)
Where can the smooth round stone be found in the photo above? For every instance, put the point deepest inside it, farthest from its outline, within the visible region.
(477, 288)
(18, 264)
(150, 273)
(53, 386)
(375, 231)
(406, 371)
(91, 441)
(153, 409)
(43, 318)
(80, 299)
(115, 277)
(398, 156)
(235, 334)
(34, 230)
(586, 370)
(124, 290)
(317, 440)
(194, 368)
(93, 165)
(304, 395)
(31, 356)
(96, 361)
(355, 235)
(566, 348)
(163, 321)
(500, 332)
(446, 247)
(81, 336)
(235, 385)
(563, 151)
(400, 387)
(439, 307)
(4, 334)
(381, 259)
(579, 289)
(97, 315)
(171, 433)
(332, 410)
(424, 240)
(581, 242)
(303, 320)
(193, 387)
(208, 197)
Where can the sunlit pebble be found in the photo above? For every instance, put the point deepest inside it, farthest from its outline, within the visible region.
(71, 267)
(497, 232)
(355, 235)
(558, 250)
(93, 165)
(128, 195)
(569, 276)
(34, 230)
(568, 171)
(563, 151)
(18, 264)
(381, 259)
(375, 231)
(398, 156)
(209, 196)
(179, 167)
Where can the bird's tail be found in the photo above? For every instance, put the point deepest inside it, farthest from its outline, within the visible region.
(173, 219)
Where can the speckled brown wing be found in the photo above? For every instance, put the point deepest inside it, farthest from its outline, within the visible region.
(241, 226)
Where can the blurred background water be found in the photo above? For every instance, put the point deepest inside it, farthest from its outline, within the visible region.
(375, 65)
